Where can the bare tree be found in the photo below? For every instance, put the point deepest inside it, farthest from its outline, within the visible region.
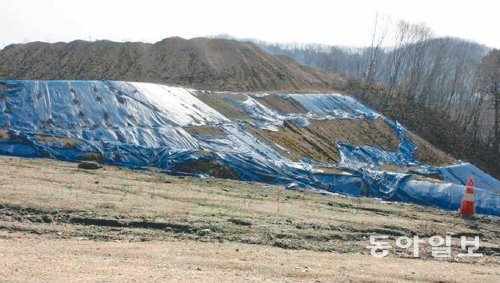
(490, 70)
(374, 51)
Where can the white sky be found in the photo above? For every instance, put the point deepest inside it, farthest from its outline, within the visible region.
(332, 22)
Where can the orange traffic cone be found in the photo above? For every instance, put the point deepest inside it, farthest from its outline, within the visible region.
(467, 207)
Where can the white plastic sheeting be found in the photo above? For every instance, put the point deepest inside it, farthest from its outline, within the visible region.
(320, 107)
(263, 117)
(178, 104)
(335, 105)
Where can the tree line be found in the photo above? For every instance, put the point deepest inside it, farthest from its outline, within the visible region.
(445, 89)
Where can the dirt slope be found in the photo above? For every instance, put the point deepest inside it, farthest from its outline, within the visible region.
(317, 141)
(60, 223)
(200, 62)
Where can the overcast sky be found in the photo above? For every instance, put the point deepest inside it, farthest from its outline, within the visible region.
(347, 22)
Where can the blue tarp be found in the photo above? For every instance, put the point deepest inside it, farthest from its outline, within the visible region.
(141, 125)
(449, 196)
(460, 174)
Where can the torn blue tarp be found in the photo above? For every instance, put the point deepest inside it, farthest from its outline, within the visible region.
(344, 184)
(399, 187)
(356, 157)
(253, 160)
(262, 117)
(141, 125)
(406, 148)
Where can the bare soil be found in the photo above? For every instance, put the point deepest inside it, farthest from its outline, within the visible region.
(203, 63)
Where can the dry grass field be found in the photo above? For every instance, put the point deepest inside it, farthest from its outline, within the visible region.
(60, 223)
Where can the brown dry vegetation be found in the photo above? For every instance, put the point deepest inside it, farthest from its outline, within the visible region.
(281, 104)
(45, 138)
(4, 134)
(220, 101)
(299, 142)
(58, 222)
(428, 153)
(374, 133)
(318, 140)
(62, 141)
(204, 130)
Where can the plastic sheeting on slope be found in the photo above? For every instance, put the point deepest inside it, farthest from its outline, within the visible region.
(112, 151)
(320, 107)
(263, 117)
(138, 125)
(356, 157)
(400, 187)
(335, 105)
(91, 111)
(460, 174)
(448, 196)
(134, 124)
(397, 187)
(253, 160)
(182, 107)
(406, 148)
(90, 104)
(68, 119)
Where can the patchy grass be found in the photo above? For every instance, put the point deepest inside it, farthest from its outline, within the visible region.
(221, 103)
(428, 153)
(53, 209)
(281, 104)
(204, 130)
(318, 140)
(209, 210)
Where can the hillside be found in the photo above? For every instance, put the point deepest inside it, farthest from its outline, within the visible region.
(201, 63)
(443, 90)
